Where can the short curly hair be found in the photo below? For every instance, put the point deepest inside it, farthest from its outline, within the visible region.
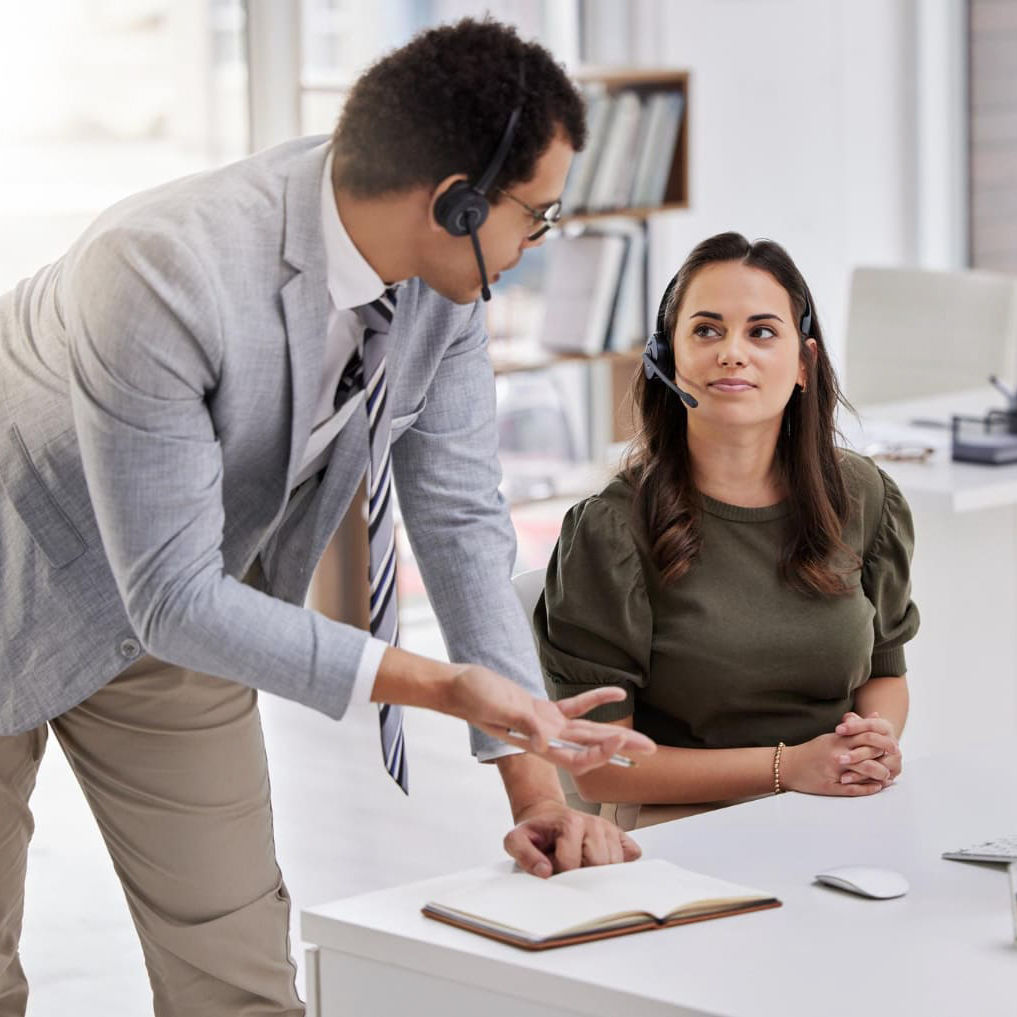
(439, 106)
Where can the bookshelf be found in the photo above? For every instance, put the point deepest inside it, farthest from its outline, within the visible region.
(644, 84)
(604, 337)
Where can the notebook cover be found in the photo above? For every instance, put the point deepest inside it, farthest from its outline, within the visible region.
(589, 937)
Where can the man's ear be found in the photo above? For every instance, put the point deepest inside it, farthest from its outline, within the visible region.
(441, 188)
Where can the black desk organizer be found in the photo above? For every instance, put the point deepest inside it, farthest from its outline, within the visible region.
(991, 439)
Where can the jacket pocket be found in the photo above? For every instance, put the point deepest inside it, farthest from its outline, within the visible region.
(45, 520)
(404, 420)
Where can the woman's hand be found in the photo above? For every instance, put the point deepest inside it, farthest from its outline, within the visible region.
(849, 764)
(497, 706)
(853, 725)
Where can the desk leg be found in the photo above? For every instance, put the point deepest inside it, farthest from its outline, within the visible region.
(312, 974)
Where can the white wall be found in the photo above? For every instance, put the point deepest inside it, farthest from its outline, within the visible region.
(804, 121)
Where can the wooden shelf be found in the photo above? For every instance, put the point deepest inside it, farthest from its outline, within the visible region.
(530, 357)
(642, 213)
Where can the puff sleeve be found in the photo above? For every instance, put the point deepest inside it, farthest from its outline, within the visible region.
(886, 580)
(594, 623)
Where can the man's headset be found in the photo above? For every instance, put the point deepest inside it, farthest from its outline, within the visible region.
(658, 357)
(463, 208)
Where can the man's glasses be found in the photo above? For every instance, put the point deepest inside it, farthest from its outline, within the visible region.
(548, 218)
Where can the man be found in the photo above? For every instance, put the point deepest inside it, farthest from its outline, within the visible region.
(188, 402)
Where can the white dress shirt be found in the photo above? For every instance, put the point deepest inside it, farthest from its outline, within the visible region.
(351, 283)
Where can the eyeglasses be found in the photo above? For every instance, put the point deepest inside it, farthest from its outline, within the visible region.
(899, 451)
(548, 218)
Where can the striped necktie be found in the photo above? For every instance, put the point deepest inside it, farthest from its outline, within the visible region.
(368, 372)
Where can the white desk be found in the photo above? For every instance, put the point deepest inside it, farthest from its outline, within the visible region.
(963, 663)
(940, 483)
(944, 949)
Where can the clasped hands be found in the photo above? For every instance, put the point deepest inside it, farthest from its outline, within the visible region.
(861, 757)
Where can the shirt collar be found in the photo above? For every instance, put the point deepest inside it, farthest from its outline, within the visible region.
(351, 280)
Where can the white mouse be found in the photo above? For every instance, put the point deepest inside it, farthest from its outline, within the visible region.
(867, 880)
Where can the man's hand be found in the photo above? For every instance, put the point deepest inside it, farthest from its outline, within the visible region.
(551, 837)
(496, 705)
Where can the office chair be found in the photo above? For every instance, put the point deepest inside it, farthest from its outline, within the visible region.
(913, 333)
(529, 586)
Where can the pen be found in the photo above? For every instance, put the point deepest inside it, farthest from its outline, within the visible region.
(561, 743)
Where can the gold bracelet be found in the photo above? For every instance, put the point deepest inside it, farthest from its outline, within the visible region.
(777, 789)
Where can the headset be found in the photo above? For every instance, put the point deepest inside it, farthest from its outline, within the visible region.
(463, 208)
(658, 356)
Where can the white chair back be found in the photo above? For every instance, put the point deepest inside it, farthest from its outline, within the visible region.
(913, 333)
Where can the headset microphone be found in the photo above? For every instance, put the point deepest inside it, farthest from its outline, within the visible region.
(485, 290)
(651, 368)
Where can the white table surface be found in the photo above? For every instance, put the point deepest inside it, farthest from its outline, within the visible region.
(946, 948)
(940, 482)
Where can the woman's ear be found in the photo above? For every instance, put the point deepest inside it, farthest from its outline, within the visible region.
(803, 371)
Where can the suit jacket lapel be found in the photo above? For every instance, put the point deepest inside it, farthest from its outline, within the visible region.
(304, 297)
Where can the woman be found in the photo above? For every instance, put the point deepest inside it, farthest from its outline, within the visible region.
(743, 579)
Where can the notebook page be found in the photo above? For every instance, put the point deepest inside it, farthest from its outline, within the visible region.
(537, 907)
(655, 886)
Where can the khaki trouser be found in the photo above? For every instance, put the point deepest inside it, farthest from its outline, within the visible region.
(173, 766)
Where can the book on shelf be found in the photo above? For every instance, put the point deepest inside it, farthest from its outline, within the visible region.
(592, 903)
(628, 327)
(582, 280)
(656, 154)
(600, 107)
(608, 189)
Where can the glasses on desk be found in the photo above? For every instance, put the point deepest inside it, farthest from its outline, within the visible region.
(899, 451)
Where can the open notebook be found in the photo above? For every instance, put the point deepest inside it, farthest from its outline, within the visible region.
(592, 903)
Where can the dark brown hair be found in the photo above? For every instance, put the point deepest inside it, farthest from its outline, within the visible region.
(815, 559)
(439, 106)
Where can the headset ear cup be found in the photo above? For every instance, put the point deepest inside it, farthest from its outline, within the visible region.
(459, 208)
(658, 349)
(805, 322)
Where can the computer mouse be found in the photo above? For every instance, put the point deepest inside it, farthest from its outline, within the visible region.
(866, 880)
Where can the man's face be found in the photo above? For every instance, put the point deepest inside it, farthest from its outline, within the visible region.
(453, 270)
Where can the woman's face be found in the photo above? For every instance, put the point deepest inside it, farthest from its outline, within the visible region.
(737, 347)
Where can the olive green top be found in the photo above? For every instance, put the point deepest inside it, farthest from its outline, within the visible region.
(730, 654)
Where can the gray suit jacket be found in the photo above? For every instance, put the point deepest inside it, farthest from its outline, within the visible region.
(157, 386)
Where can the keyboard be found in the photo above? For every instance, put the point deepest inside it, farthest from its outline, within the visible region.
(1002, 849)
